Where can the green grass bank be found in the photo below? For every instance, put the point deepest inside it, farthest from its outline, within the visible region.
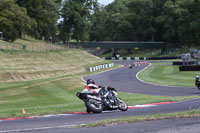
(168, 75)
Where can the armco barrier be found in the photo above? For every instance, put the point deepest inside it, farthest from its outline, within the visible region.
(141, 58)
(124, 58)
(164, 58)
(99, 67)
(181, 63)
(178, 63)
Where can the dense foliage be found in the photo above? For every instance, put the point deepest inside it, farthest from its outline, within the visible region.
(45, 13)
(14, 20)
(76, 19)
(174, 21)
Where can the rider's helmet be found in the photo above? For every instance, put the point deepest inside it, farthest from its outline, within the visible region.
(90, 81)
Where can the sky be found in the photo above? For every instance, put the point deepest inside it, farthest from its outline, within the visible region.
(105, 2)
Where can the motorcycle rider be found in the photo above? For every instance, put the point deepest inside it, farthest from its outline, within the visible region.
(106, 96)
(197, 80)
(98, 89)
(91, 86)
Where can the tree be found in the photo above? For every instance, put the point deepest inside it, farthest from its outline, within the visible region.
(168, 20)
(127, 20)
(14, 20)
(111, 23)
(97, 30)
(158, 27)
(181, 21)
(45, 13)
(117, 25)
(140, 15)
(76, 18)
(65, 31)
(194, 21)
(8, 29)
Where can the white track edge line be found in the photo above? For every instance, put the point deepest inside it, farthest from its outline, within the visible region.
(148, 82)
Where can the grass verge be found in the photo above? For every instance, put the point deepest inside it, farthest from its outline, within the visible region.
(28, 66)
(167, 74)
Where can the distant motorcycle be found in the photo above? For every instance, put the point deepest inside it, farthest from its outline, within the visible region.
(131, 66)
(197, 82)
(105, 99)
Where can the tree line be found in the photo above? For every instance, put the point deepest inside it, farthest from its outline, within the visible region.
(37, 18)
(172, 21)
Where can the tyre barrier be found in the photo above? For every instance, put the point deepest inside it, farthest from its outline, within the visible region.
(189, 68)
(99, 67)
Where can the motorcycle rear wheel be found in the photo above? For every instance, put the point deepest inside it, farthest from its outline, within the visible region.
(93, 106)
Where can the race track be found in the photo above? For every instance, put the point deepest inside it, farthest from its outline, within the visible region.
(123, 79)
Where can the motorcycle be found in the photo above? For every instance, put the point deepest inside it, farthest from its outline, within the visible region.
(197, 82)
(131, 66)
(104, 98)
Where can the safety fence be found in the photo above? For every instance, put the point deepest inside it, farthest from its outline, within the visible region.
(99, 67)
(40, 47)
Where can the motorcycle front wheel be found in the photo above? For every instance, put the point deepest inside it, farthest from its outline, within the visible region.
(93, 106)
(122, 105)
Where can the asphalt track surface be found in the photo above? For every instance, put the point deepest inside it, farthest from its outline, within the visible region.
(123, 79)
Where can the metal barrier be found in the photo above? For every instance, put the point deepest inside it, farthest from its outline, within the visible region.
(141, 58)
(99, 67)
